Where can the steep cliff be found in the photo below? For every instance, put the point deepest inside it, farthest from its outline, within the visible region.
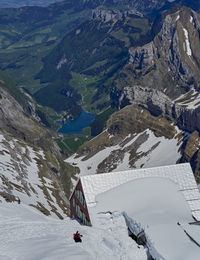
(132, 138)
(32, 169)
(163, 75)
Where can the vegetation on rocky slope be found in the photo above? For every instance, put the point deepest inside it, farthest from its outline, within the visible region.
(69, 57)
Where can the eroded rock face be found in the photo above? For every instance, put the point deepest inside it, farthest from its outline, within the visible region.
(191, 146)
(105, 15)
(33, 170)
(130, 120)
(132, 138)
(159, 104)
(170, 62)
(163, 76)
(14, 119)
(27, 177)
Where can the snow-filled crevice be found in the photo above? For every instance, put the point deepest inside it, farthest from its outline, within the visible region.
(187, 43)
(137, 229)
(153, 207)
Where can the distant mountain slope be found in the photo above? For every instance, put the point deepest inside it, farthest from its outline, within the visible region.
(59, 67)
(163, 75)
(95, 54)
(19, 3)
(121, 49)
(91, 55)
(170, 62)
(32, 168)
(132, 138)
(29, 33)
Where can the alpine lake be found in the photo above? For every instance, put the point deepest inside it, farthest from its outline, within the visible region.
(77, 125)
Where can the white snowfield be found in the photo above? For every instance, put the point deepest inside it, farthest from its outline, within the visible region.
(156, 206)
(187, 43)
(155, 151)
(28, 235)
(19, 174)
(181, 174)
(190, 99)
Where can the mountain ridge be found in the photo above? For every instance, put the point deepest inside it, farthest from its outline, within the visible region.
(33, 171)
(153, 79)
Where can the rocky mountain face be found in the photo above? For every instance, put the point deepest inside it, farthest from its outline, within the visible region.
(146, 67)
(96, 50)
(157, 93)
(32, 168)
(163, 75)
(132, 138)
(105, 16)
(163, 56)
(155, 84)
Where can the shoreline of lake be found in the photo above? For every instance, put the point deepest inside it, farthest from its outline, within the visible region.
(76, 125)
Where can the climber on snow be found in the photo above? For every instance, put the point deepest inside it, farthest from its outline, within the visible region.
(77, 237)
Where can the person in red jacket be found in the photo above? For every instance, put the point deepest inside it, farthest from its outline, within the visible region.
(77, 237)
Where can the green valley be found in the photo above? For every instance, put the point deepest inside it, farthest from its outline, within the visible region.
(67, 56)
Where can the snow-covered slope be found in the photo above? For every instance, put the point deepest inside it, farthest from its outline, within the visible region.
(155, 207)
(25, 178)
(32, 170)
(28, 235)
(134, 151)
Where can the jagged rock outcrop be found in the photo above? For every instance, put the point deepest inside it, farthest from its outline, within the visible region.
(106, 15)
(14, 119)
(171, 61)
(129, 120)
(191, 146)
(159, 104)
(32, 169)
(132, 138)
(163, 76)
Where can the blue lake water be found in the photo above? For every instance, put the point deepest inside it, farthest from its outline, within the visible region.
(77, 125)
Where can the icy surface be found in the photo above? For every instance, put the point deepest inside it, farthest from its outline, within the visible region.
(181, 174)
(156, 206)
(155, 151)
(178, 17)
(27, 235)
(90, 166)
(190, 99)
(165, 153)
(188, 49)
(19, 175)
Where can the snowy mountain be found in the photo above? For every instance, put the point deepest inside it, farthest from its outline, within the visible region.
(163, 75)
(132, 138)
(24, 178)
(27, 234)
(154, 82)
(32, 171)
(159, 88)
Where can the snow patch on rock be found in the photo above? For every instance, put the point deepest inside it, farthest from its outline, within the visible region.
(20, 179)
(187, 42)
